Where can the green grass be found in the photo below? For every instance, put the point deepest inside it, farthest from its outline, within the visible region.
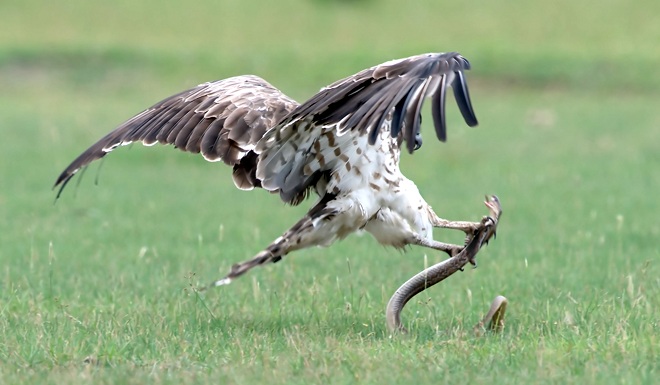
(96, 288)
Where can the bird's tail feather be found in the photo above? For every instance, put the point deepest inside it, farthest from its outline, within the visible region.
(272, 254)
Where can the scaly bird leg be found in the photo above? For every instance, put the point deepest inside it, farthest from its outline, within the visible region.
(469, 228)
(448, 248)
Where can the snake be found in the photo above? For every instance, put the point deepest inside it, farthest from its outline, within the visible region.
(494, 318)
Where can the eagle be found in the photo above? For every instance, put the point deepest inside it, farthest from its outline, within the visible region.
(342, 145)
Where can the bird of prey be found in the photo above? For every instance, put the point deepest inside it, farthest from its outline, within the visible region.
(342, 145)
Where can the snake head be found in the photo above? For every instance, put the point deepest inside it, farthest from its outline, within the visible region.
(491, 221)
(494, 206)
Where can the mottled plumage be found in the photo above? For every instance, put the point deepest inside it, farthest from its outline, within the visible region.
(343, 144)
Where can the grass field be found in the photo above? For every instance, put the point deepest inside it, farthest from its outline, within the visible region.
(95, 289)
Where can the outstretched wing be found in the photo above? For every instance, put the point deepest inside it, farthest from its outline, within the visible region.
(363, 101)
(222, 120)
(274, 143)
(314, 139)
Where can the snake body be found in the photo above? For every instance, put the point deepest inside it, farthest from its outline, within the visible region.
(440, 271)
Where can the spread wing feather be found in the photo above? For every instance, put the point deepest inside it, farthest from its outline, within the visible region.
(361, 102)
(275, 143)
(222, 120)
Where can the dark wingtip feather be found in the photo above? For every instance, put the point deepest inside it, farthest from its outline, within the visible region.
(410, 108)
(466, 63)
(64, 175)
(63, 179)
(462, 95)
(397, 118)
(373, 134)
(438, 110)
(79, 164)
(410, 139)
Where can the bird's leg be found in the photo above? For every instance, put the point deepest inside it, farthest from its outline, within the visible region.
(470, 229)
(467, 227)
(305, 233)
(448, 248)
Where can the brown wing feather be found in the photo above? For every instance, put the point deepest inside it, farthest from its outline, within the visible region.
(222, 120)
(387, 96)
(272, 142)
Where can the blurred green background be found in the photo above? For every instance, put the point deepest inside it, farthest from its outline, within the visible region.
(567, 96)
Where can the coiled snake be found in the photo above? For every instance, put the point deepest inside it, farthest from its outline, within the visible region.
(494, 319)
